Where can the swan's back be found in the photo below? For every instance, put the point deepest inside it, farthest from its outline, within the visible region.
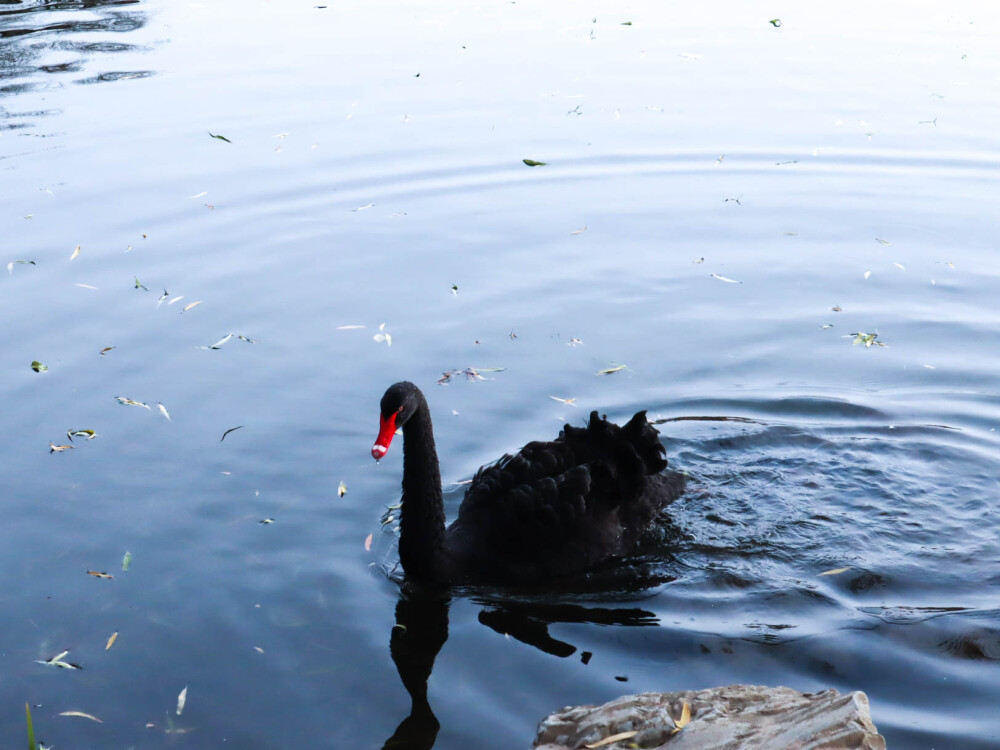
(561, 507)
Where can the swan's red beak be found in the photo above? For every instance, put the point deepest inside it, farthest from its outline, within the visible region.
(386, 432)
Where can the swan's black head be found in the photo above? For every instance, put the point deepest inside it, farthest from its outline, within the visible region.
(399, 403)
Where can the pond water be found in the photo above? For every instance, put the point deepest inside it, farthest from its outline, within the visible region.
(784, 230)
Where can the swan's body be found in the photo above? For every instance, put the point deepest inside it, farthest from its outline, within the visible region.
(553, 509)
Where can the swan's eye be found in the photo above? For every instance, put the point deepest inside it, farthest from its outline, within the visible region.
(399, 410)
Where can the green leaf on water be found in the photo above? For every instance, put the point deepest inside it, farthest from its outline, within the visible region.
(32, 745)
(140, 285)
(220, 137)
(38, 366)
(868, 339)
(775, 22)
(533, 163)
(126, 561)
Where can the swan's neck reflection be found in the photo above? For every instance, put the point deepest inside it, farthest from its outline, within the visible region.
(421, 629)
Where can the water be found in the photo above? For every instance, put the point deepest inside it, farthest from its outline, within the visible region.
(714, 187)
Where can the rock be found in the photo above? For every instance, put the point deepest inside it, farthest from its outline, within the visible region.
(738, 717)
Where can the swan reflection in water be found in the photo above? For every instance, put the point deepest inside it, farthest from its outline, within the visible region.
(421, 629)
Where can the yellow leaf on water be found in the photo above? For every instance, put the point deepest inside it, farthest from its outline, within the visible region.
(82, 715)
(75, 253)
(612, 739)
(99, 574)
(189, 306)
(610, 370)
(685, 718)
(341, 489)
(111, 641)
(368, 543)
(59, 448)
(835, 571)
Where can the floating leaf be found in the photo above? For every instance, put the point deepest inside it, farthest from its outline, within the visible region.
(59, 448)
(867, 274)
(191, 305)
(834, 572)
(533, 163)
(231, 429)
(454, 288)
(38, 366)
(868, 339)
(775, 22)
(837, 308)
(178, 298)
(882, 242)
(258, 649)
(111, 641)
(685, 719)
(612, 370)
(99, 574)
(368, 542)
(362, 208)
(266, 521)
(349, 328)
(87, 286)
(181, 700)
(82, 715)
(163, 411)
(219, 137)
(900, 266)
(567, 401)
(140, 285)
(57, 661)
(129, 402)
(106, 349)
(75, 253)
(726, 279)
(241, 337)
(32, 745)
(126, 561)
(89, 434)
(471, 373)
(10, 266)
(381, 336)
(581, 230)
(612, 739)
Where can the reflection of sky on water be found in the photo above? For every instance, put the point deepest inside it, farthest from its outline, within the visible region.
(46, 45)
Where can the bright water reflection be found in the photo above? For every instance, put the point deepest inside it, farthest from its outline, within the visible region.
(715, 187)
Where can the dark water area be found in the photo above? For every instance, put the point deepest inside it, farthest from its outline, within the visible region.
(740, 213)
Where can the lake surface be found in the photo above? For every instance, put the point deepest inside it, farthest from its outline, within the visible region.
(742, 212)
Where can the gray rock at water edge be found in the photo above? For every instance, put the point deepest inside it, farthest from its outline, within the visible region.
(738, 717)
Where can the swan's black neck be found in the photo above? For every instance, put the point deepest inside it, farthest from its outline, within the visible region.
(422, 529)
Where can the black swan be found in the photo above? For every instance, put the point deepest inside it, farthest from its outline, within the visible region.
(553, 509)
